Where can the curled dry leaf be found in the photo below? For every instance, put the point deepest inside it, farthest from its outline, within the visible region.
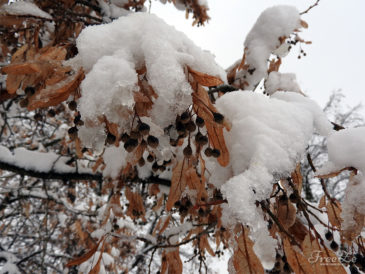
(53, 95)
(205, 79)
(334, 213)
(86, 256)
(178, 183)
(286, 213)
(244, 258)
(171, 262)
(136, 208)
(297, 178)
(297, 261)
(204, 108)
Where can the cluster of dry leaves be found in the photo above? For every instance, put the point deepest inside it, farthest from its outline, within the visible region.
(40, 68)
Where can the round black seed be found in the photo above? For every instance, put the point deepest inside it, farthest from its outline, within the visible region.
(130, 144)
(152, 141)
(216, 153)
(124, 137)
(144, 128)
(190, 126)
(208, 152)
(29, 91)
(110, 138)
(185, 117)
(72, 105)
(218, 118)
(188, 151)
(150, 158)
(199, 121)
(24, 103)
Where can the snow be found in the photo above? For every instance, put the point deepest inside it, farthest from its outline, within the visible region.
(281, 82)
(114, 159)
(346, 148)
(263, 39)
(110, 55)
(35, 160)
(268, 138)
(24, 8)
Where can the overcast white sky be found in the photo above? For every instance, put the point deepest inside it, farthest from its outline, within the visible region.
(334, 61)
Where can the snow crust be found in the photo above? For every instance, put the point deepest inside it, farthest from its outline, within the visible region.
(269, 135)
(114, 159)
(281, 82)
(37, 161)
(110, 55)
(263, 39)
(346, 148)
(24, 8)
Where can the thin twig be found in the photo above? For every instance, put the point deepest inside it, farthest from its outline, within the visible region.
(310, 7)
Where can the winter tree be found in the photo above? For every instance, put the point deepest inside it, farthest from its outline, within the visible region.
(124, 147)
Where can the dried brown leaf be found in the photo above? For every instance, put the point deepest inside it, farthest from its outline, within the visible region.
(86, 256)
(178, 183)
(205, 79)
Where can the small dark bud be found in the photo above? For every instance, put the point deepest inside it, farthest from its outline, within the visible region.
(135, 134)
(202, 140)
(155, 167)
(208, 152)
(293, 198)
(218, 118)
(334, 246)
(188, 151)
(110, 139)
(144, 128)
(51, 113)
(124, 137)
(131, 144)
(72, 132)
(199, 121)
(29, 91)
(152, 141)
(180, 128)
(24, 103)
(185, 117)
(216, 153)
(150, 158)
(329, 235)
(38, 117)
(72, 105)
(190, 126)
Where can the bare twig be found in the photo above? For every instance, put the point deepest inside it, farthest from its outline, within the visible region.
(310, 7)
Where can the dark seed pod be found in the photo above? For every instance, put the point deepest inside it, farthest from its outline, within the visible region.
(150, 158)
(183, 210)
(202, 140)
(208, 152)
(162, 168)
(51, 113)
(144, 128)
(38, 117)
(141, 162)
(130, 144)
(218, 118)
(329, 235)
(283, 199)
(24, 103)
(216, 153)
(155, 167)
(29, 91)
(152, 141)
(124, 138)
(177, 204)
(190, 126)
(110, 139)
(72, 132)
(188, 151)
(180, 128)
(185, 117)
(334, 246)
(173, 142)
(72, 105)
(293, 198)
(199, 121)
(201, 212)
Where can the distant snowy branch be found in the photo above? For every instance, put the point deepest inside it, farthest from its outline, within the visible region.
(51, 175)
